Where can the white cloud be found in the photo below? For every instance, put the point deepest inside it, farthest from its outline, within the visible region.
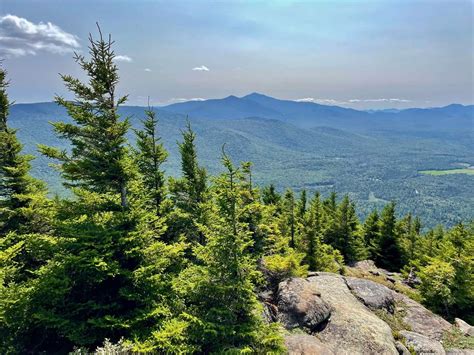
(123, 58)
(201, 68)
(322, 101)
(147, 69)
(174, 100)
(378, 100)
(20, 37)
(350, 101)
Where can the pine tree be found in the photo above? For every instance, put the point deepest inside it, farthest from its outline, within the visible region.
(372, 235)
(270, 196)
(188, 192)
(218, 289)
(313, 232)
(348, 240)
(288, 214)
(23, 200)
(150, 155)
(391, 255)
(302, 204)
(98, 158)
(89, 291)
(318, 255)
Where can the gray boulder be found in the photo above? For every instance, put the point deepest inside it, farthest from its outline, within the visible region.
(421, 320)
(459, 352)
(372, 294)
(464, 327)
(299, 305)
(352, 328)
(305, 344)
(422, 344)
(365, 265)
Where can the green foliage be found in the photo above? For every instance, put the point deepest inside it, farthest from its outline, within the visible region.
(149, 156)
(97, 135)
(22, 198)
(447, 273)
(188, 193)
(437, 279)
(390, 256)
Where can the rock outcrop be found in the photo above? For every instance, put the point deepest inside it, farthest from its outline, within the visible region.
(352, 328)
(421, 320)
(300, 305)
(422, 344)
(373, 295)
(464, 327)
(338, 314)
(305, 344)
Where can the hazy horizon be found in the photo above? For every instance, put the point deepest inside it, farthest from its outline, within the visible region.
(358, 54)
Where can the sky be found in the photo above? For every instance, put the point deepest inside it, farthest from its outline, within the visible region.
(363, 54)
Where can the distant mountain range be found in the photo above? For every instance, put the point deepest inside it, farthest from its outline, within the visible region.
(373, 156)
(309, 114)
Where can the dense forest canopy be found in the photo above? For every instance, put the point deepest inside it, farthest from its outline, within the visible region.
(175, 265)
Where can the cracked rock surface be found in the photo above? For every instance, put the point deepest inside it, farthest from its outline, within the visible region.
(333, 314)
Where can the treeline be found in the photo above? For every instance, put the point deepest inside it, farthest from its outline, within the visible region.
(174, 265)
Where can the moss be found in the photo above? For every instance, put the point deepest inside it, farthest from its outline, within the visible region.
(395, 321)
(455, 339)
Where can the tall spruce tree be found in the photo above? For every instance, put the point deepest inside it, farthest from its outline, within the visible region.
(88, 291)
(222, 305)
(347, 237)
(97, 161)
(22, 197)
(289, 218)
(189, 191)
(318, 255)
(150, 155)
(270, 196)
(302, 204)
(372, 234)
(390, 252)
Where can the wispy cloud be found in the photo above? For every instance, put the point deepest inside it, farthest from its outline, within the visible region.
(19, 37)
(176, 100)
(123, 58)
(322, 101)
(147, 69)
(201, 68)
(351, 101)
(378, 100)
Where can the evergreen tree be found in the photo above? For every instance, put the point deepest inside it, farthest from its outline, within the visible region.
(270, 196)
(150, 156)
(348, 240)
(390, 252)
(372, 235)
(188, 192)
(23, 200)
(302, 204)
(288, 214)
(318, 255)
(222, 305)
(98, 158)
(88, 291)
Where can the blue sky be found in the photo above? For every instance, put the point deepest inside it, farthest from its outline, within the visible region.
(361, 54)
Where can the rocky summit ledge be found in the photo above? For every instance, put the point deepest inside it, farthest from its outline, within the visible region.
(328, 313)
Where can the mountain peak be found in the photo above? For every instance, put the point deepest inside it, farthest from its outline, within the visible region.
(254, 95)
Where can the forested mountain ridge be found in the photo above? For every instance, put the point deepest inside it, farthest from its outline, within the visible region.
(310, 114)
(373, 165)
